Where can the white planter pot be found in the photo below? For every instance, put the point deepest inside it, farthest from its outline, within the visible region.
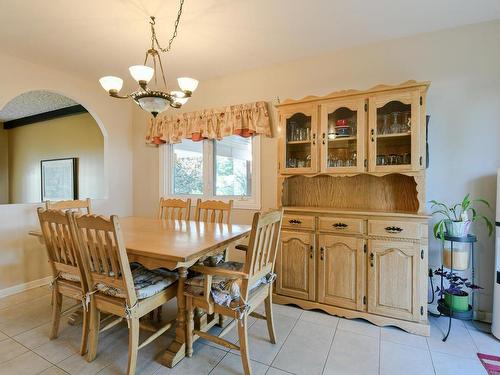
(460, 258)
(457, 228)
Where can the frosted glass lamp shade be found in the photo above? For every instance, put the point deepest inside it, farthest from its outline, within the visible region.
(153, 104)
(141, 73)
(179, 97)
(110, 83)
(187, 84)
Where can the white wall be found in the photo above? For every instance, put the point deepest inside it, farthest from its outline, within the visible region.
(463, 100)
(22, 258)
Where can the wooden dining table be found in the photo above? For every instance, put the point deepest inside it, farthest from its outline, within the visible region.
(175, 245)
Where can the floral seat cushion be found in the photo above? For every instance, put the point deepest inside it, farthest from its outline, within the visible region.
(224, 290)
(69, 276)
(147, 283)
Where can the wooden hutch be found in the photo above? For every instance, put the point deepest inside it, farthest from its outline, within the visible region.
(351, 180)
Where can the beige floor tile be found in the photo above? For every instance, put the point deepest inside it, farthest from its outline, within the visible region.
(231, 336)
(403, 359)
(58, 350)
(353, 354)
(320, 317)
(26, 364)
(3, 336)
(359, 326)
(28, 295)
(305, 351)
(10, 349)
(231, 365)
(446, 364)
(485, 342)
(261, 349)
(204, 360)
(286, 310)
(459, 342)
(398, 336)
(275, 371)
(53, 371)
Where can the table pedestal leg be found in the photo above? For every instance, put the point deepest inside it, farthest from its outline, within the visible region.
(177, 349)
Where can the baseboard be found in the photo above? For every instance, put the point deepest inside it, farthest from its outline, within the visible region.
(23, 287)
(483, 316)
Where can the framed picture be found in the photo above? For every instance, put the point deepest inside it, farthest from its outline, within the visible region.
(59, 179)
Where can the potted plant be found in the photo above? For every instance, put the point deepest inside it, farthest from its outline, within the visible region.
(455, 298)
(456, 219)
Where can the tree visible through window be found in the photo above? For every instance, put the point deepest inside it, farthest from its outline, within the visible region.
(188, 168)
(233, 166)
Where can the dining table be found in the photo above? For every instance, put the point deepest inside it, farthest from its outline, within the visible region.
(175, 245)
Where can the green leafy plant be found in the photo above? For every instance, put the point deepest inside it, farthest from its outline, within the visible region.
(464, 211)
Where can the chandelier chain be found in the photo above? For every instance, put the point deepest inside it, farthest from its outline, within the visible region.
(154, 39)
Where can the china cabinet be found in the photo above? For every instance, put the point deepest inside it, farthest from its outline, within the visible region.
(351, 180)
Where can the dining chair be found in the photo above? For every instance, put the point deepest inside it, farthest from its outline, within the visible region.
(213, 211)
(174, 209)
(235, 290)
(81, 206)
(116, 287)
(65, 262)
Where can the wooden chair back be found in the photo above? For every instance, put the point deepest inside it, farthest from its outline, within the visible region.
(104, 256)
(213, 211)
(61, 249)
(262, 247)
(80, 206)
(174, 209)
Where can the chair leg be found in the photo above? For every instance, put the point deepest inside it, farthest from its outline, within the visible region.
(268, 303)
(95, 321)
(243, 336)
(85, 332)
(56, 312)
(189, 326)
(133, 345)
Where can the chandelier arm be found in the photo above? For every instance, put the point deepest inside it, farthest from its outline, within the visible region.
(162, 72)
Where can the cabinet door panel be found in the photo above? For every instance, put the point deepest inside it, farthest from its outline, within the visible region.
(394, 137)
(343, 127)
(393, 279)
(298, 140)
(295, 265)
(341, 271)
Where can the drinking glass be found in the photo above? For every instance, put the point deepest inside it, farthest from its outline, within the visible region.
(395, 127)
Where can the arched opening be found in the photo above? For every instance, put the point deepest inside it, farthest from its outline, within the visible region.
(51, 148)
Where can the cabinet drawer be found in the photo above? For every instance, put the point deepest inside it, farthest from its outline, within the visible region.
(393, 228)
(341, 225)
(298, 222)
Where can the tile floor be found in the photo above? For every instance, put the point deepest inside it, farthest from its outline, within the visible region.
(309, 343)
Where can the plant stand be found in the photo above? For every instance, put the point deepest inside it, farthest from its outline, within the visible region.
(442, 308)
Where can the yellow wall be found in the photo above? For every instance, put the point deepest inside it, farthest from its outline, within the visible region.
(66, 137)
(4, 166)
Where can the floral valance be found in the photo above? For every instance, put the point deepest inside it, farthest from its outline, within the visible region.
(242, 119)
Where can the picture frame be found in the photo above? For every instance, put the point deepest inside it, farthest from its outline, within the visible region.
(59, 179)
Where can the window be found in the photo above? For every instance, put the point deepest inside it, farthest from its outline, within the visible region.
(211, 169)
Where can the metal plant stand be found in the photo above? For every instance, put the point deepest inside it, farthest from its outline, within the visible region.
(442, 308)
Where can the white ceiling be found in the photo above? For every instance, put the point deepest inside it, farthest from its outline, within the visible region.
(216, 37)
(33, 103)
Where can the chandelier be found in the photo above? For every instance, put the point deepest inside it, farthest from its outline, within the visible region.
(153, 101)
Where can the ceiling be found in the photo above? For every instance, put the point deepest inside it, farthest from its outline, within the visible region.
(216, 37)
(33, 103)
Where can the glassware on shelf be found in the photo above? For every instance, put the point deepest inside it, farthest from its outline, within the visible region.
(386, 128)
(396, 126)
(406, 158)
(406, 126)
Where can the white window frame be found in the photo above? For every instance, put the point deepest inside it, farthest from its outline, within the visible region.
(240, 202)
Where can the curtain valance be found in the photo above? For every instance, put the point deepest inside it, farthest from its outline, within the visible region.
(241, 119)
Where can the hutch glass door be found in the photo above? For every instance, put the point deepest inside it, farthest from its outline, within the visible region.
(394, 132)
(300, 142)
(342, 136)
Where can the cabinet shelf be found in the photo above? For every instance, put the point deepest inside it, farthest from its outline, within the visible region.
(394, 135)
(298, 142)
(339, 139)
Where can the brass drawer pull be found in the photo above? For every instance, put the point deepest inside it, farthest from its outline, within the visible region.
(295, 222)
(393, 230)
(340, 225)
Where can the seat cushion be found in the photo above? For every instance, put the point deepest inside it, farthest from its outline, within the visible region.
(147, 283)
(224, 290)
(69, 276)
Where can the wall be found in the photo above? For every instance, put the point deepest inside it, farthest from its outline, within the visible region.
(464, 103)
(4, 166)
(22, 257)
(71, 136)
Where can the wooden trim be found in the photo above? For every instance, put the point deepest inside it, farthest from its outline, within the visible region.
(25, 286)
(422, 329)
(45, 116)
